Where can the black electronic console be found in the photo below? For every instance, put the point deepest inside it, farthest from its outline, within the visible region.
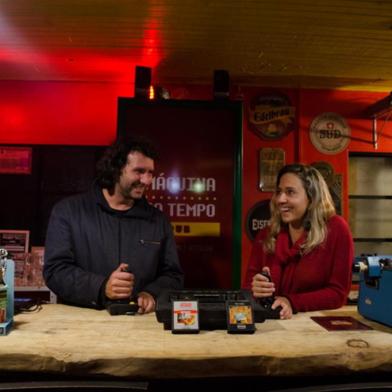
(212, 306)
(121, 307)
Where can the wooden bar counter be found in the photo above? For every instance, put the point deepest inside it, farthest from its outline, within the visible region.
(62, 339)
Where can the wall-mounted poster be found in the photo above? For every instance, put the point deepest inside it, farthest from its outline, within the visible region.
(15, 241)
(197, 182)
(15, 160)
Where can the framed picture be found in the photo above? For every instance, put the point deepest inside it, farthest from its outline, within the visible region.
(15, 241)
(22, 269)
(15, 160)
(271, 160)
(37, 263)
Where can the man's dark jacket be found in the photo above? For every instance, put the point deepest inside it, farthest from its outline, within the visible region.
(87, 240)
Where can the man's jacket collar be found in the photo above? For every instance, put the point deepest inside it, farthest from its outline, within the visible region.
(141, 209)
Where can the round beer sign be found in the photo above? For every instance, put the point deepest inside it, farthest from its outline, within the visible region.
(330, 133)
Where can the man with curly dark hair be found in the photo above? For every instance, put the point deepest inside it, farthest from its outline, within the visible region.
(110, 243)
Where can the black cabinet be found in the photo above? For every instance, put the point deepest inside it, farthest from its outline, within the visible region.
(57, 172)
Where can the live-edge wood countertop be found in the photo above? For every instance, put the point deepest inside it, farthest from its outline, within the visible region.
(76, 341)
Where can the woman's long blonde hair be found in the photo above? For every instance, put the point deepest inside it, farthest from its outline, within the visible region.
(320, 208)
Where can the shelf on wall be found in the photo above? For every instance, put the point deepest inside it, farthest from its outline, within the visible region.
(35, 289)
(370, 197)
(364, 239)
(381, 109)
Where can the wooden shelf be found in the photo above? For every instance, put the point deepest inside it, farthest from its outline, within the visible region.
(362, 239)
(371, 197)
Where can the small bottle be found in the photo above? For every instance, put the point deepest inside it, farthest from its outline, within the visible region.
(3, 293)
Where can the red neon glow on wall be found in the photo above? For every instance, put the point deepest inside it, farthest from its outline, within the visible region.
(59, 113)
(152, 53)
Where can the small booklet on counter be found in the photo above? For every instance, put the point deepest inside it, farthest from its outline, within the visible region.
(339, 323)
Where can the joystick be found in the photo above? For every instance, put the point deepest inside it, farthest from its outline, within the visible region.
(266, 303)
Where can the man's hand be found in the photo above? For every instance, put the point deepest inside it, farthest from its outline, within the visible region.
(120, 283)
(146, 302)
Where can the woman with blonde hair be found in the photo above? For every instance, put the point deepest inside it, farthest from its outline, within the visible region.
(306, 251)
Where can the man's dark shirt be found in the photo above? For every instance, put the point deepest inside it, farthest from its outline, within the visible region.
(87, 240)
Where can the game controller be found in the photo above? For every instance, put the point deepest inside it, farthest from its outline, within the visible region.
(117, 307)
(266, 302)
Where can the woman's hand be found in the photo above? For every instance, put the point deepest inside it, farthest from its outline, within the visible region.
(287, 311)
(262, 287)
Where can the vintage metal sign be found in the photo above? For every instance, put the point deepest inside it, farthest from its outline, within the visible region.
(271, 116)
(330, 133)
(271, 160)
(257, 218)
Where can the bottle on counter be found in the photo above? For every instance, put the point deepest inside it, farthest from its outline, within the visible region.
(3, 287)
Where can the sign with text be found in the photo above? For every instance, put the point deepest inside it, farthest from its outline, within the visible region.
(15, 160)
(330, 133)
(195, 184)
(271, 116)
(257, 218)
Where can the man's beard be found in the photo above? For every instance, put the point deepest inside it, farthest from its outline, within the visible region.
(127, 191)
